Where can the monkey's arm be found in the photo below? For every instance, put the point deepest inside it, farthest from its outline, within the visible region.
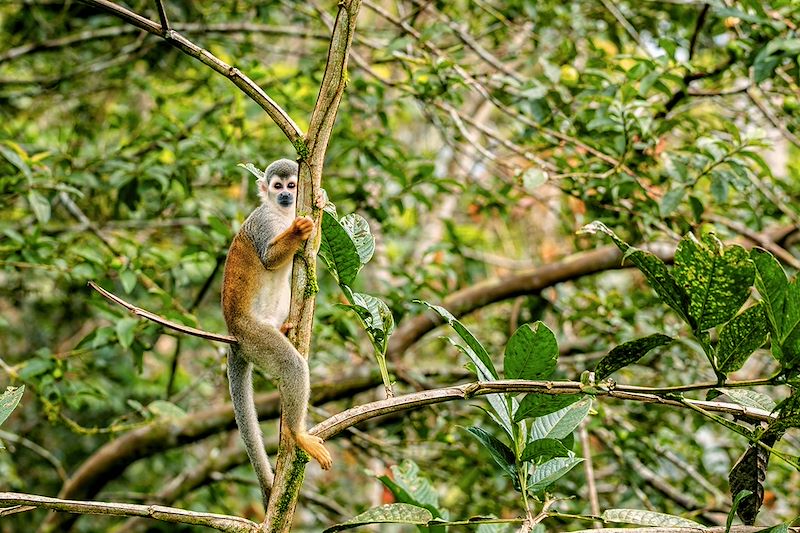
(282, 248)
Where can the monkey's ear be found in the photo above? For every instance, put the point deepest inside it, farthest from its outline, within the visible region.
(263, 192)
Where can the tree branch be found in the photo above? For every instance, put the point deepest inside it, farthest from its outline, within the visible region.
(289, 470)
(227, 523)
(187, 27)
(248, 86)
(337, 423)
(162, 15)
(138, 311)
(107, 463)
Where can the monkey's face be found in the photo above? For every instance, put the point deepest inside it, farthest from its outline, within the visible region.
(282, 190)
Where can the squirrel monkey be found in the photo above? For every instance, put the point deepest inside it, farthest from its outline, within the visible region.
(256, 290)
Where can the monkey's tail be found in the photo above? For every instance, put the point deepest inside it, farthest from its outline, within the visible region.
(240, 377)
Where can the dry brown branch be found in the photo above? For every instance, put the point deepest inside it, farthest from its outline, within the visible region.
(107, 463)
(138, 311)
(337, 423)
(232, 524)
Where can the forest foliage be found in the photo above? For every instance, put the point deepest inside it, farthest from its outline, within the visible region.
(556, 278)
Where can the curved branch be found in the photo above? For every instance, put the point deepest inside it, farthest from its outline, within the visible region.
(107, 463)
(356, 415)
(233, 524)
(138, 311)
(248, 86)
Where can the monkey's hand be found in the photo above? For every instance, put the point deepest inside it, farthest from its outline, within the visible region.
(286, 327)
(313, 446)
(302, 227)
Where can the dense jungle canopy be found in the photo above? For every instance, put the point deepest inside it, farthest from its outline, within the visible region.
(555, 292)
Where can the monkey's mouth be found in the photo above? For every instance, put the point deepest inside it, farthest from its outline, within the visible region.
(285, 201)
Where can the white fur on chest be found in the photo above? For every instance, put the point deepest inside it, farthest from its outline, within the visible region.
(271, 304)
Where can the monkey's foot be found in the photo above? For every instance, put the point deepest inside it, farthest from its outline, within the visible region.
(313, 446)
(286, 327)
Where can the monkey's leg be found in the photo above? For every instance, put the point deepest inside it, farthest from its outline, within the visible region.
(240, 377)
(278, 357)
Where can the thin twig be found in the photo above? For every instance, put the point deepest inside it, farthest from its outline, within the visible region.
(162, 15)
(588, 469)
(35, 448)
(157, 512)
(617, 14)
(161, 320)
(762, 240)
(701, 19)
(773, 119)
(186, 27)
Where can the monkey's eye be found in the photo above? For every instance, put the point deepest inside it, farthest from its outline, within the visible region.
(279, 185)
(291, 185)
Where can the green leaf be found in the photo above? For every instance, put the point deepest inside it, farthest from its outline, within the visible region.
(338, 251)
(477, 353)
(741, 495)
(128, 279)
(548, 473)
(788, 413)
(671, 200)
(408, 486)
(750, 398)
(717, 279)
(562, 423)
(770, 56)
(501, 453)
(358, 229)
(780, 528)
(39, 205)
(165, 409)
(542, 450)
(741, 337)
(11, 152)
(376, 315)
(393, 513)
(531, 353)
(653, 268)
(628, 353)
(781, 298)
(9, 401)
(647, 518)
(258, 173)
(124, 328)
(535, 404)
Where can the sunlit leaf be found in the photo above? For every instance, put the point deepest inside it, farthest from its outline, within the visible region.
(647, 518)
(740, 337)
(716, 278)
(531, 353)
(393, 513)
(9, 401)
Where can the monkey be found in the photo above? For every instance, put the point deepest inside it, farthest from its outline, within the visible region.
(256, 292)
